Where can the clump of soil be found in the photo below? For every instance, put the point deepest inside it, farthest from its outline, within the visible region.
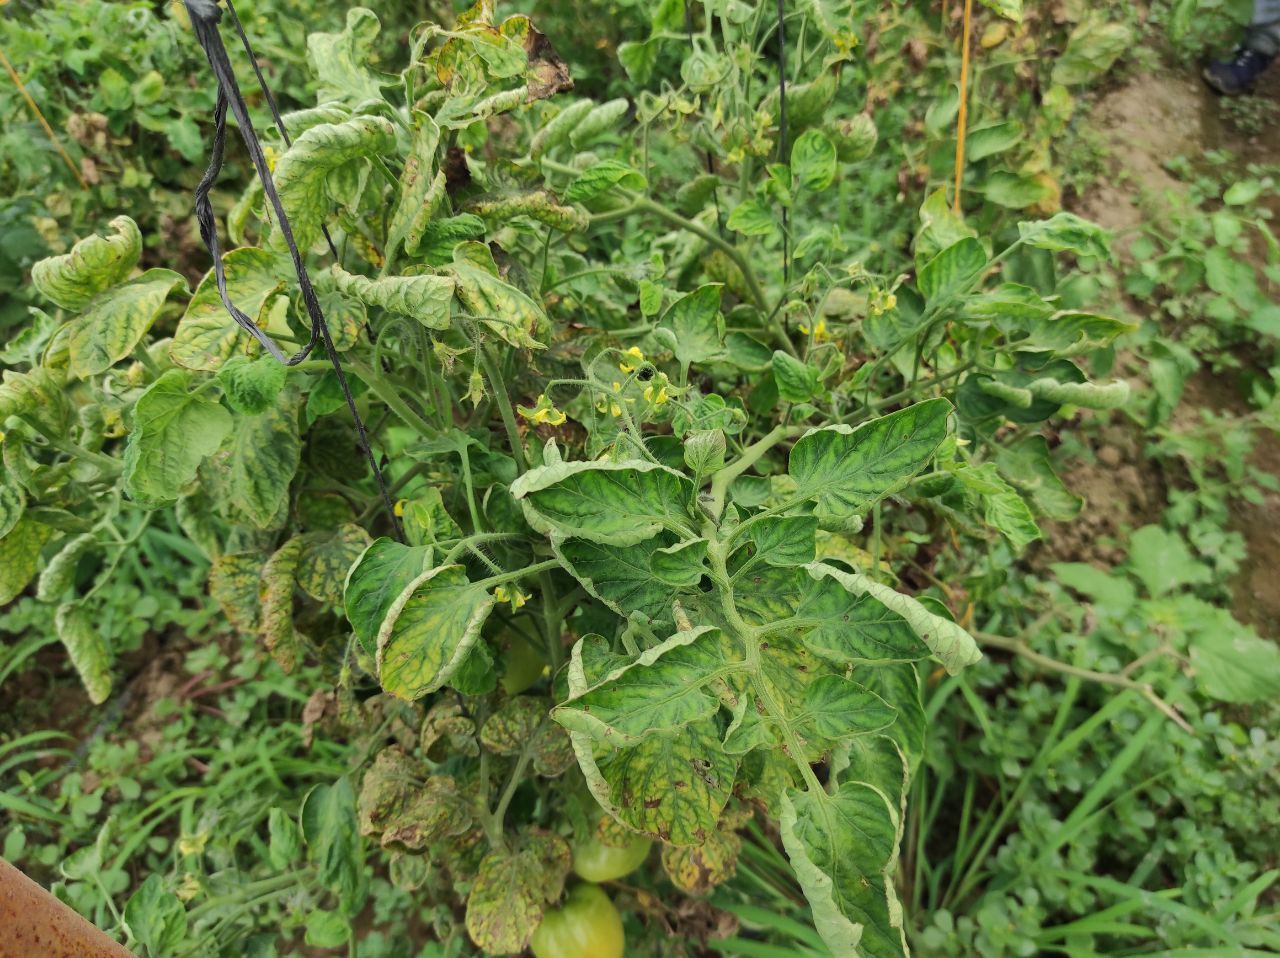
(1123, 490)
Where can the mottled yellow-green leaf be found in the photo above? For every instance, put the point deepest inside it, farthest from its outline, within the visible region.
(276, 593)
(447, 731)
(59, 574)
(174, 429)
(233, 583)
(207, 336)
(696, 869)
(511, 728)
(538, 205)
(13, 501)
(387, 787)
(671, 786)
(249, 475)
(38, 392)
(843, 848)
(19, 556)
(426, 520)
(615, 503)
(511, 890)
(326, 560)
(428, 631)
(950, 644)
(87, 650)
(521, 723)
(115, 321)
(424, 297)
(94, 264)
(374, 582)
(302, 173)
(421, 187)
(341, 60)
(495, 303)
(665, 688)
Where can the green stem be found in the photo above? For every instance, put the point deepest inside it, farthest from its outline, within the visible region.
(103, 462)
(519, 573)
(384, 391)
(504, 408)
(551, 619)
(750, 456)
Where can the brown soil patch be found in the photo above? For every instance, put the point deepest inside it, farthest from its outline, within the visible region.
(1145, 123)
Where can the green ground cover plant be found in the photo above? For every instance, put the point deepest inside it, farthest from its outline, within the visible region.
(711, 464)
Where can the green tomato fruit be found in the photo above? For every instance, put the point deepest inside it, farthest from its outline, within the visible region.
(587, 926)
(596, 862)
(522, 665)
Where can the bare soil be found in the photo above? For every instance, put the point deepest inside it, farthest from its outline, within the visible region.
(1143, 124)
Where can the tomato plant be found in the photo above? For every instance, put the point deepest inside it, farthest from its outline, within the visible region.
(663, 428)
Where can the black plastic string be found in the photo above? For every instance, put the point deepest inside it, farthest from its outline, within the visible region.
(205, 16)
(782, 135)
(271, 103)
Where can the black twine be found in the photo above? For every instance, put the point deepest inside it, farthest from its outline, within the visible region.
(205, 16)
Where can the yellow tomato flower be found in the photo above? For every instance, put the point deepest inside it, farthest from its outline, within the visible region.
(627, 366)
(656, 396)
(542, 412)
(514, 596)
(820, 333)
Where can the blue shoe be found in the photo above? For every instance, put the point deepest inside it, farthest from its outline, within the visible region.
(1237, 75)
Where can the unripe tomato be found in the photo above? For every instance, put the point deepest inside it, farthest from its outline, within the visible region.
(596, 862)
(522, 665)
(587, 926)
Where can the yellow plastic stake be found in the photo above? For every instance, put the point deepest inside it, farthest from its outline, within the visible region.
(963, 118)
(35, 109)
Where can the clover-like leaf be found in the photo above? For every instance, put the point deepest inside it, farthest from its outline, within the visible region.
(114, 321)
(428, 631)
(174, 430)
(847, 470)
(207, 336)
(614, 503)
(95, 263)
(375, 580)
(512, 889)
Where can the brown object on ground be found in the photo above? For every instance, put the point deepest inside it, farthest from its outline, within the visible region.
(34, 923)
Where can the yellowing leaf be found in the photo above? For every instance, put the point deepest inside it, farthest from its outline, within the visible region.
(115, 321)
(94, 264)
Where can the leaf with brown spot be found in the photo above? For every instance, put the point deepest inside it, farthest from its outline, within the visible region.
(512, 890)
